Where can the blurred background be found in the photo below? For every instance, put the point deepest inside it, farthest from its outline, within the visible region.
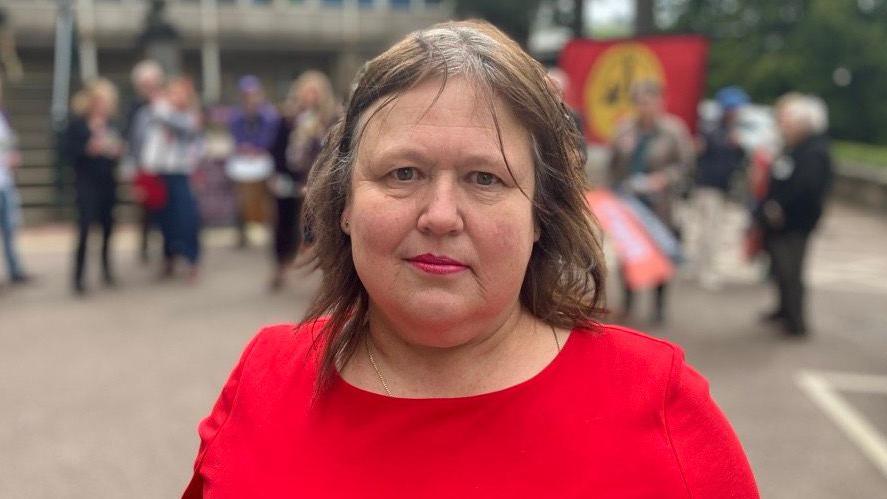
(153, 157)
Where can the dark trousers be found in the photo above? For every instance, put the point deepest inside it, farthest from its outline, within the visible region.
(180, 219)
(659, 304)
(287, 231)
(788, 252)
(147, 223)
(96, 198)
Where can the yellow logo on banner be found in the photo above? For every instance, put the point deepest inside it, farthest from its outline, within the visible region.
(608, 86)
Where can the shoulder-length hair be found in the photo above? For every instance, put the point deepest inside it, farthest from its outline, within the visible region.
(564, 281)
(326, 104)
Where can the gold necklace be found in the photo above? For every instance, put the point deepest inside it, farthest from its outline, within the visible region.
(369, 350)
(376, 367)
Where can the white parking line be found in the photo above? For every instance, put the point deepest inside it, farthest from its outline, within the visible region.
(823, 389)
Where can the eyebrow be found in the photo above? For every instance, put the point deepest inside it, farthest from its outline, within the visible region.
(410, 152)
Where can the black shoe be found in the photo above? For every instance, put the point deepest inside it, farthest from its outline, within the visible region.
(796, 330)
(22, 279)
(168, 271)
(79, 289)
(774, 316)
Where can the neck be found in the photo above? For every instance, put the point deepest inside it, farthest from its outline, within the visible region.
(647, 123)
(499, 354)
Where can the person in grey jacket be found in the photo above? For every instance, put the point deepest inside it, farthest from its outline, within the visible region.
(651, 156)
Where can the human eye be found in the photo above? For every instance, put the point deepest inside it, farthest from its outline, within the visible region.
(484, 179)
(404, 174)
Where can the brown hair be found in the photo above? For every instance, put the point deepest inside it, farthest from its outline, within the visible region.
(564, 281)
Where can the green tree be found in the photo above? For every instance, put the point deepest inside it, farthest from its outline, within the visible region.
(806, 45)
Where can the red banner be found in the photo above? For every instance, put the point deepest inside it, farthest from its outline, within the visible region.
(601, 74)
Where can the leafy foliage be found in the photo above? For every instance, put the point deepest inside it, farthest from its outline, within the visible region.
(836, 49)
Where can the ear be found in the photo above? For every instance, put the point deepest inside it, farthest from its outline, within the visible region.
(345, 220)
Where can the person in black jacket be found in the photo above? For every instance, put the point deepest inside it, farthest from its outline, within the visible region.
(307, 115)
(93, 147)
(800, 179)
(720, 157)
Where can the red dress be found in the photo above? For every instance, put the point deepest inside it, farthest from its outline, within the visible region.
(617, 414)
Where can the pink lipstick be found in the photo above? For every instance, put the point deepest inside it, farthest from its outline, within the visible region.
(439, 265)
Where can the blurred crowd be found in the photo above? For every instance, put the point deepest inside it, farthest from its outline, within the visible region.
(249, 163)
(656, 164)
(171, 153)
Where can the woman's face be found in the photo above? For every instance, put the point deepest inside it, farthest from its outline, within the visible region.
(179, 95)
(441, 233)
(310, 97)
(103, 104)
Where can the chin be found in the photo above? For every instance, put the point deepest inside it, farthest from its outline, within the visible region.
(435, 324)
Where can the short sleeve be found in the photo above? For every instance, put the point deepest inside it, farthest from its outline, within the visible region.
(210, 426)
(711, 459)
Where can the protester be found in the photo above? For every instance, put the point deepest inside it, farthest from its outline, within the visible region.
(10, 214)
(800, 179)
(253, 127)
(452, 350)
(651, 157)
(720, 157)
(93, 147)
(308, 112)
(172, 150)
(147, 80)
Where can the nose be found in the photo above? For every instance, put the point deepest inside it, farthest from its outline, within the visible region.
(441, 214)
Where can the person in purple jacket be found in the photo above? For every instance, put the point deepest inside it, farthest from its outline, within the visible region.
(253, 128)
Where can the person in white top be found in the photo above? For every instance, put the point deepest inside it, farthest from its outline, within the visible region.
(172, 150)
(10, 159)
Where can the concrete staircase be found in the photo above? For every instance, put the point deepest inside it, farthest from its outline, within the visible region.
(47, 194)
(27, 105)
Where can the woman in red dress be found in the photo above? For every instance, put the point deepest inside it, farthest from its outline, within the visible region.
(453, 348)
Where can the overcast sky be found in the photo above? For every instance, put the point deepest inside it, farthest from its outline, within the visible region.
(599, 12)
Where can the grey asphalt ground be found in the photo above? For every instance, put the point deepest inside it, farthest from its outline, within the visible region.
(100, 397)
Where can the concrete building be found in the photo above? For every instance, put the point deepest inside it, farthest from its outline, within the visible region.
(220, 40)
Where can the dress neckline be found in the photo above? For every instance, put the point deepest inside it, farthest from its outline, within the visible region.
(535, 379)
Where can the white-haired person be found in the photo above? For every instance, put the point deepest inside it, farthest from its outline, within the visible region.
(800, 180)
(148, 79)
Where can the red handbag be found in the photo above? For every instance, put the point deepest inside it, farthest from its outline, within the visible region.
(150, 191)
